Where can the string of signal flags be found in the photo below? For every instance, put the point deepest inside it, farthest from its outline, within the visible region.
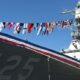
(44, 28)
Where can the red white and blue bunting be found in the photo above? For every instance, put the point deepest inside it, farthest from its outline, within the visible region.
(43, 28)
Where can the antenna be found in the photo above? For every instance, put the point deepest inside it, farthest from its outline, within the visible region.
(68, 11)
(76, 13)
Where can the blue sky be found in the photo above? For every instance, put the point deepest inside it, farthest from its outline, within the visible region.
(39, 11)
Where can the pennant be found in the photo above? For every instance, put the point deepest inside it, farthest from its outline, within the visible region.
(16, 28)
(38, 25)
(24, 28)
(35, 26)
(51, 26)
(19, 27)
(5, 24)
(43, 30)
(40, 29)
(1, 26)
(30, 26)
(10, 24)
(21, 24)
(59, 23)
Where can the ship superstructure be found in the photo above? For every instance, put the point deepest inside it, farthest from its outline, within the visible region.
(74, 47)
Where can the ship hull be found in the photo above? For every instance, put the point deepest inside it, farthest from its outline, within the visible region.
(19, 63)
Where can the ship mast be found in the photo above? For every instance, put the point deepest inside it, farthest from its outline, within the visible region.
(74, 48)
(76, 35)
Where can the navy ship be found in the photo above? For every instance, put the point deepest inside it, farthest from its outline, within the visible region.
(23, 60)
